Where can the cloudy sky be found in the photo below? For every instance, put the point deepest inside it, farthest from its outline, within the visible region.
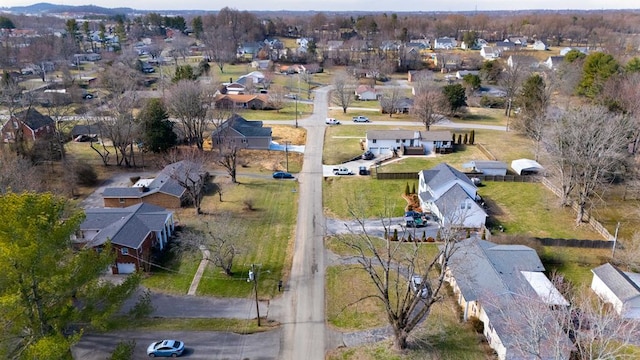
(346, 5)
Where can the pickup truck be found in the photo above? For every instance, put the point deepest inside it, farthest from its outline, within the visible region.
(360, 118)
(342, 171)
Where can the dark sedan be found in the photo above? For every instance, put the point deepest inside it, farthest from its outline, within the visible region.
(282, 175)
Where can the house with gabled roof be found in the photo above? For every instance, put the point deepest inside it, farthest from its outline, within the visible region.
(523, 62)
(167, 189)
(451, 197)
(133, 231)
(553, 62)
(385, 142)
(366, 92)
(29, 125)
(490, 53)
(241, 101)
(242, 133)
(619, 288)
(492, 281)
(505, 46)
(446, 43)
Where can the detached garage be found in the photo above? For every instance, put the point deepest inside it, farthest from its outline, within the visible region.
(619, 288)
(526, 167)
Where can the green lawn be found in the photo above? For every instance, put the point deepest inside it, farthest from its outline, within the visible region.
(340, 194)
(532, 210)
(238, 326)
(267, 241)
(464, 154)
(286, 113)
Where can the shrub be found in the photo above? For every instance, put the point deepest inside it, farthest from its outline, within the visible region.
(406, 190)
(492, 102)
(248, 204)
(123, 350)
(477, 324)
(85, 174)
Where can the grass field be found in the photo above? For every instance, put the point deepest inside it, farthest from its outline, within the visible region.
(342, 193)
(530, 209)
(238, 326)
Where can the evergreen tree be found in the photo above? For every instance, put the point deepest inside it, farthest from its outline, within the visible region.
(456, 97)
(183, 72)
(157, 131)
(49, 292)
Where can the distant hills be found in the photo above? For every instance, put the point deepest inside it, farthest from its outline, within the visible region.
(48, 8)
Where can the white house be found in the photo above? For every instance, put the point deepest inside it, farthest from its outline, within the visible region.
(553, 62)
(539, 45)
(583, 50)
(451, 197)
(446, 43)
(490, 53)
(619, 288)
(382, 142)
(522, 62)
(366, 92)
(487, 167)
(491, 281)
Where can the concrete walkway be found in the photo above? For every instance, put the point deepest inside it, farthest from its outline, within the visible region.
(206, 255)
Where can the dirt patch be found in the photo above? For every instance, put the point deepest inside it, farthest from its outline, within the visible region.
(413, 203)
(282, 133)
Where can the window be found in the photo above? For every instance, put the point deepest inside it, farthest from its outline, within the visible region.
(397, 140)
(244, 141)
(124, 251)
(121, 200)
(374, 141)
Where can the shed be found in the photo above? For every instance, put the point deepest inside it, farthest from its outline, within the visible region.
(487, 167)
(621, 289)
(526, 166)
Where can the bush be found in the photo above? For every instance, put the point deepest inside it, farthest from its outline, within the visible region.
(492, 102)
(477, 325)
(123, 350)
(85, 174)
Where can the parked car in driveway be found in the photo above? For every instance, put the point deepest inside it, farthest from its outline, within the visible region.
(368, 155)
(360, 118)
(342, 171)
(332, 121)
(166, 348)
(282, 175)
(362, 170)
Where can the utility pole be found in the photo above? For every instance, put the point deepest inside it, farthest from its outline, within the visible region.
(253, 276)
(286, 153)
(296, 111)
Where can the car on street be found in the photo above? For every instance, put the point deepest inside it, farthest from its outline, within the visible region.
(282, 175)
(416, 282)
(332, 121)
(360, 118)
(166, 348)
(368, 155)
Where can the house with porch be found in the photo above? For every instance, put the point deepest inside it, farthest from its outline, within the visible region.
(504, 286)
(135, 232)
(451, 197)
(241, 101)
(384, 142)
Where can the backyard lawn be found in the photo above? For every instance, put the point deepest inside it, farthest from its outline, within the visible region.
(383, 197)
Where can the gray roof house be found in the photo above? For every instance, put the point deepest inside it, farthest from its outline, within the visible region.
(553, 62)
(621, 289)
(383, 142)
(451, 197)
(491, 283)
(487, 167)
(245, 134)
(165, 190)
(133, 231)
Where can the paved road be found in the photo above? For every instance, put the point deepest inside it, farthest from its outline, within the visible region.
(304, 335)
(199, 344)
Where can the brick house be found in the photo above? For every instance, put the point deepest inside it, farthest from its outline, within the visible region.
(135, 232)
(29, 124)
(165, 190)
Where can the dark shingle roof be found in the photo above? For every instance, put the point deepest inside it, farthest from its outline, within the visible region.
(124, 226)
(442, 174)
(34, 119)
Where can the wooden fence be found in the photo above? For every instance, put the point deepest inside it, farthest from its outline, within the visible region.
(595, 224)
(485, 151)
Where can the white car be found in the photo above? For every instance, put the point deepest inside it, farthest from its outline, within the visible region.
(332, 121)
(416, 281)
(360, 118)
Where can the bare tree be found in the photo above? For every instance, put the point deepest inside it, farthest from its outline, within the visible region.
(389, 264)
(219, 49)
(534, 99)
(189, 101)
(18, 173)
(390, 100)
(426, 104)
(586, 145)
(187, 168)
(277, 97)
(628, 93)
(227, 157)
(219, 236)
(343, 90)
(511, 79)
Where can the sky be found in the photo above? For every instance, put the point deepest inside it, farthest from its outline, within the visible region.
(348, 5)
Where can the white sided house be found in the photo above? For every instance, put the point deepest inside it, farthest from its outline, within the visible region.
(383, 142)
(451, 197)
(496, 284)
(620, 289)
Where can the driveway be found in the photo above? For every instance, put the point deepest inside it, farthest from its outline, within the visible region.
(375, 227)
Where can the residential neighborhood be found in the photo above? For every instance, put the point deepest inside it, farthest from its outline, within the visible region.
(319, 184)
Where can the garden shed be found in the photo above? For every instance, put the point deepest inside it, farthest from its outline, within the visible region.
(526, 166)
(487, 167)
